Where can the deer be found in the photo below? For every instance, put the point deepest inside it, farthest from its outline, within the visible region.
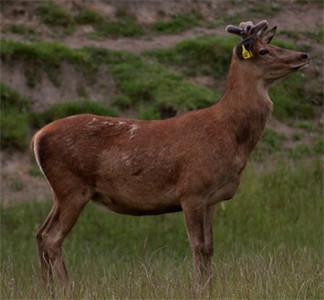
(189, 162)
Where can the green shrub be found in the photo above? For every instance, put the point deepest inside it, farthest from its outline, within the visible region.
(53, 14)
(14, 119)
(14, 128)
(11, 99)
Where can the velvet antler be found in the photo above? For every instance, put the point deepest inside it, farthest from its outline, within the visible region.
(247, 29)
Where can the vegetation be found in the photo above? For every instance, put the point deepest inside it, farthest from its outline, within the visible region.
(176, 24)
(87, 16)
(292, 100)
(206, 55)
(149, 83)
(268, 239)
(126, 28)
(272, 140)
(62, 110)
(17, 121)
(268, 244)
(46, 56)
(140, 82)
(53, 14)
(14, 119)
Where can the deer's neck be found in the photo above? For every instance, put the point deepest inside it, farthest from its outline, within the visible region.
(246, 104)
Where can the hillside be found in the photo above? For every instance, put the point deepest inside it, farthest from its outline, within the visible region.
(141, 61)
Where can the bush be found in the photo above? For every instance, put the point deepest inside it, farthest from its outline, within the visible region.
(14, 119)
(53, 14)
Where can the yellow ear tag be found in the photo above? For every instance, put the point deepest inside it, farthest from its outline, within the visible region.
(245, 53)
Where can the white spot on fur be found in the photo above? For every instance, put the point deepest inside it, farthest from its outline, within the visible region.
(132, 130)
(125, 158)
(120, 123)
(93, 122)
(107, 123)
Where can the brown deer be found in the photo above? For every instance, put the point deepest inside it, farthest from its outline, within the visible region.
(186, 163)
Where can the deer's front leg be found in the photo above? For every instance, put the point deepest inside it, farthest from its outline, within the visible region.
(199, 227)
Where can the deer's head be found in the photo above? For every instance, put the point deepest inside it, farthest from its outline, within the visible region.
(266, 61)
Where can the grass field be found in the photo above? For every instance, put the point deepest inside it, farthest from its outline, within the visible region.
(268, 244)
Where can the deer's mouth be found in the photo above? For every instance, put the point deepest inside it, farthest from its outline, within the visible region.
(301, 66)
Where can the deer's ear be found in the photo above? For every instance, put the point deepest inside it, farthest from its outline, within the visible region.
(267, 37)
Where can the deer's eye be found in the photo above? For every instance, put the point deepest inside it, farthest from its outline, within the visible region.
(263, 51)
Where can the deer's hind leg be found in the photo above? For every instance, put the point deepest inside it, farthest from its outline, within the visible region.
(68, 204)
(42, 251)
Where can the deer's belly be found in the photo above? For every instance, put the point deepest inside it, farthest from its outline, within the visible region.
(133, 204)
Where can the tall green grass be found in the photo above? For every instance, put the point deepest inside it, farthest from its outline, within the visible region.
(268, 245)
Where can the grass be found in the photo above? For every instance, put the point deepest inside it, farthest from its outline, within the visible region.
(176, 24)
(207, 55)
(44, 53)
(272, 140)
(123, 28)
(20, 29)
(149, 87)
(268, 245)
(47, 56)
(138, 81)
(17, 121)
(125, 25)
(145, 83)
(152, 90)
(87, 16)
(291, 99)
(53, 14)
(14, 119)
(62, 110)
(211, 55)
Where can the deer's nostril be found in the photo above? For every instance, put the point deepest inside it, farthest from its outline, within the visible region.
(305, 56)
